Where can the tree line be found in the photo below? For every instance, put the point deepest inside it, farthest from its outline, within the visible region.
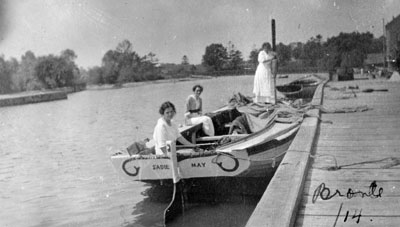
(347, 50)
(36, 73)
(123, 64)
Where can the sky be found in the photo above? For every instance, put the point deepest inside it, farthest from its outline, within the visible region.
(174, 28)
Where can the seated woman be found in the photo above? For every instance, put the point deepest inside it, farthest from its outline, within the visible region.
(193, 113)
(166, 129)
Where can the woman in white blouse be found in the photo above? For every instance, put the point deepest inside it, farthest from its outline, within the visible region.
(166, 129)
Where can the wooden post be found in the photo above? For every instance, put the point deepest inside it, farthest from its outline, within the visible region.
(273, 35)
(274, 63)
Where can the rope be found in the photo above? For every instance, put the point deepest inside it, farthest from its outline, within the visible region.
(396, 161)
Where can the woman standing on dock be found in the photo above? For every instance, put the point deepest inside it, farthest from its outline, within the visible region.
(194, 108)
(264, 85)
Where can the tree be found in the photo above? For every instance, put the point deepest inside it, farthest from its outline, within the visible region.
(348, 49)
(6, 71)
(253, 58)
(54, 72)
(234, 59)
(297, 50)
(69, 55)
(110, 65)
(312, 51)
(215, 56)
(124, 47)
(283, 53)
(185, 60)
(24, 79)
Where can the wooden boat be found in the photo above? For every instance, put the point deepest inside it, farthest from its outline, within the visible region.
(300, 88)
(225, 155)
(266, 136)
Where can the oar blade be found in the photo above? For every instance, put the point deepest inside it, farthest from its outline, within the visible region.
(176, 206)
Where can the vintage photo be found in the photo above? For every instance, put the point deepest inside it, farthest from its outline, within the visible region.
(192, 113)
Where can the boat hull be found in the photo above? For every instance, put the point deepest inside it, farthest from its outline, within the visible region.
(191, 165)
(302, 88)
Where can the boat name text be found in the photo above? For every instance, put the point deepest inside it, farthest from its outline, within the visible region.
(162, 167)
(202, 164)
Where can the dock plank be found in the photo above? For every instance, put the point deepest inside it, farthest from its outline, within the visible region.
(330, 220)
(366, 147)
(352, 152)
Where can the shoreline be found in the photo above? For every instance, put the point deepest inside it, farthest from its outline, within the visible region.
(32, 97)
(141, 83)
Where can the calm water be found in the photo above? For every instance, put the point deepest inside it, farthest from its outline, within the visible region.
(55, 167)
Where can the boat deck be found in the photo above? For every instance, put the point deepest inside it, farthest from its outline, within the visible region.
(350, 175)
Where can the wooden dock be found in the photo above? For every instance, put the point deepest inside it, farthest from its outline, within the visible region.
(351, 174)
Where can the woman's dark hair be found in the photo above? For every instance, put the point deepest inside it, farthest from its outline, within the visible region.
(197, 86)
(267, 46)
(165, 106)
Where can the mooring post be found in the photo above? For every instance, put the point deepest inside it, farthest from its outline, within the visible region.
(274, 63)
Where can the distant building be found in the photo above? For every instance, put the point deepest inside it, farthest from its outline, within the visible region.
(393, 42)
(375, 60)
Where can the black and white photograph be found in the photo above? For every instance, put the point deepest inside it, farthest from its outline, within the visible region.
(193, 113)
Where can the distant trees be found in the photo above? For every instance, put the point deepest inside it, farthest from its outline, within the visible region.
(215, 56)
(185, 60)
(234, 59)
(25, 78)
(57, 71)
(7, 69)
(33, 73)
(220, 58)
(124, 65)
(349, 49)
(253, 58)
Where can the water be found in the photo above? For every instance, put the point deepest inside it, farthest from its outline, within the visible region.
(55, 167)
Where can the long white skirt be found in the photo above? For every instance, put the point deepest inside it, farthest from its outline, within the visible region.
(264, 84)
(208, 126)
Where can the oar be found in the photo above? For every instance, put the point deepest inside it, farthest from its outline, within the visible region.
(196, 145)
(176, 206)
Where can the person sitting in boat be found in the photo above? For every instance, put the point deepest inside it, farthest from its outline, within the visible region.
(166, 129)
(193, 113)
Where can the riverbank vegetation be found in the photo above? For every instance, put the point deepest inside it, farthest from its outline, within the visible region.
(123, 64)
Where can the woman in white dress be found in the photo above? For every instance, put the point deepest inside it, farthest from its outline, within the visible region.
(166, 129)
(264, 83)
(194, 108)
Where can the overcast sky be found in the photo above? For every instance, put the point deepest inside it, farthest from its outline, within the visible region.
(173, 28)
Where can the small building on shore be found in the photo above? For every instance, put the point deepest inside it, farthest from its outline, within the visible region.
(374, 60)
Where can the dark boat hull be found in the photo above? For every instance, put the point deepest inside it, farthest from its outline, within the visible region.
(302, 88)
